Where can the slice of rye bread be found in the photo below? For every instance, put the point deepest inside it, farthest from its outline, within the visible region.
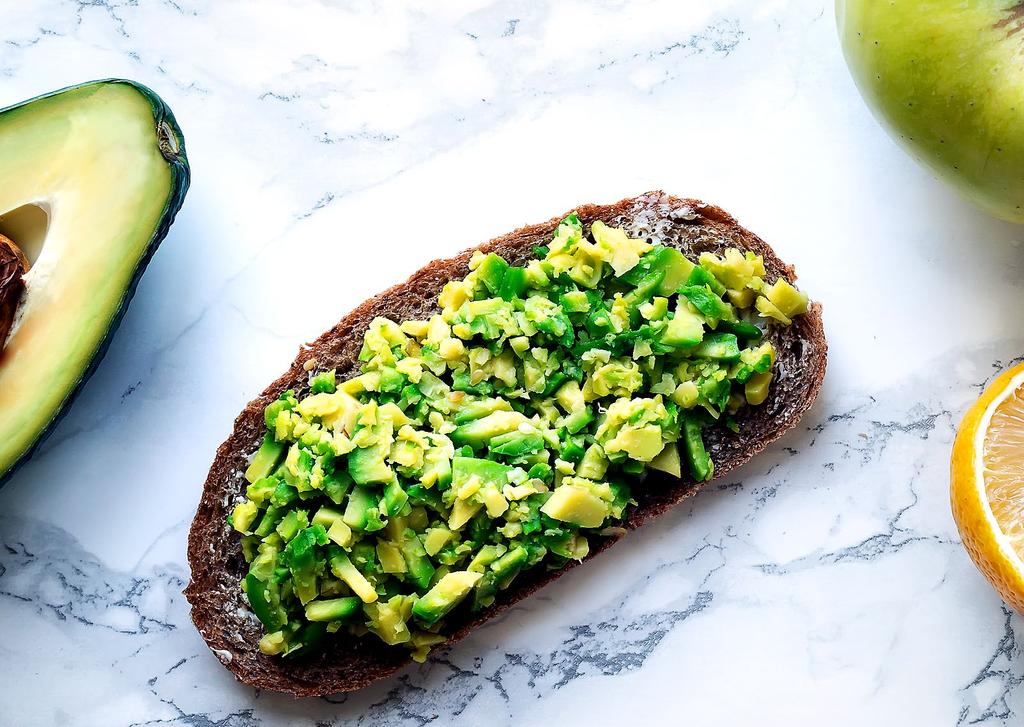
(347, 663)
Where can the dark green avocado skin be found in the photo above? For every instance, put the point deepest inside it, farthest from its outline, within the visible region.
(172, 146)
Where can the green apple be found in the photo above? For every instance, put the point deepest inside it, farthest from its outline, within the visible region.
(947, 78)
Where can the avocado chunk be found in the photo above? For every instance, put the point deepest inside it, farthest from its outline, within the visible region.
(518, 444)
(265, 602)
(92, 177)
(341, 567)
(420, 569)
(300, 554)
(640, 443)
(462, 512)
(444, 596)
(367, 465)
(594, 464)
(576, 505)
(334, 609)
(710, 305)
(790, 301)
(492, 272)
(363, 510)
(388, 620)
(756, 390)
(479, 432)
(266, 459)
(741, 329)
(670, 266)
(487, 478)
(697, 457)
(479, 408)
(634, 427)
(718, 346)
(684, 329)
(668, 461)
(499, 575)
(390, 557)
(435, 539)
(489, 471)
(395, 498)
(485, 556)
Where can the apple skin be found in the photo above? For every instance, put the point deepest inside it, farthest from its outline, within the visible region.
(946, 77)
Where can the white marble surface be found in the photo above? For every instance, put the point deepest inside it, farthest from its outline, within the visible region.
(336, 147)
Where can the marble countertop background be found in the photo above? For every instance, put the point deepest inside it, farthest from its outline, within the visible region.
(335, 148)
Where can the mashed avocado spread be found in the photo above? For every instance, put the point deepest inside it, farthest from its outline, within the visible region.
(499, 435)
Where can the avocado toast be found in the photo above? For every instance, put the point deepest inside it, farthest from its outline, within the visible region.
(357, 559)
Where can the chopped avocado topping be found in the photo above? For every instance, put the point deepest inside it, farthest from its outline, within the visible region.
(500, 434)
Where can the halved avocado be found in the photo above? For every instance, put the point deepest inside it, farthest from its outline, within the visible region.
(91, 178)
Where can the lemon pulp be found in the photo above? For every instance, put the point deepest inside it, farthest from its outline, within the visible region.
(1003, 461)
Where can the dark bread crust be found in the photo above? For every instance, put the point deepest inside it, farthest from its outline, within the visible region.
(219, 609)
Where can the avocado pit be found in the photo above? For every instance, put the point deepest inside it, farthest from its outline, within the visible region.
(13, 266)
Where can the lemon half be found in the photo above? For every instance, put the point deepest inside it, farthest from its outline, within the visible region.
(987, 484)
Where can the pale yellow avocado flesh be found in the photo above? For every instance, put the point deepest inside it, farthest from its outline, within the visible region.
(573, 504)
(90, 158)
